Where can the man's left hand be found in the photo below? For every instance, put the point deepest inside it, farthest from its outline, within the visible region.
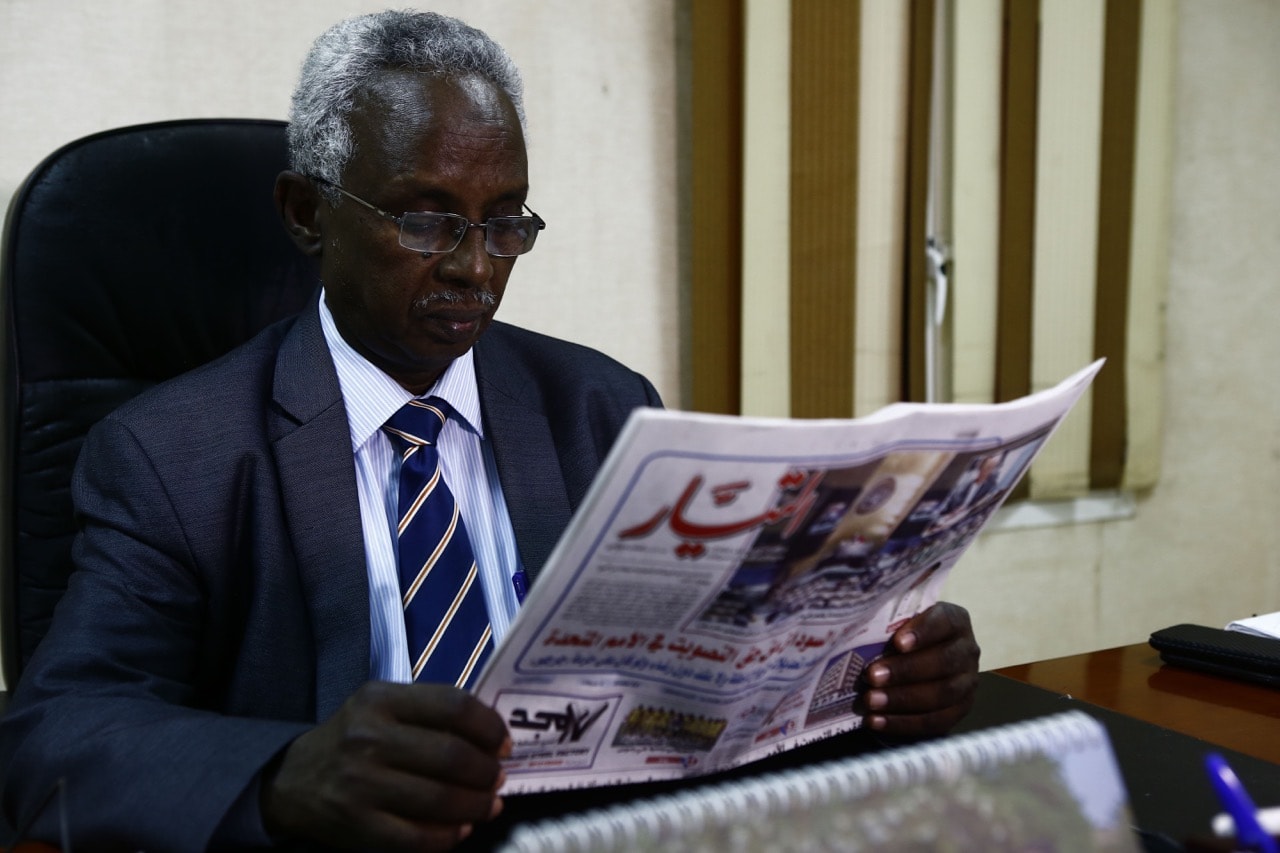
(926, 681)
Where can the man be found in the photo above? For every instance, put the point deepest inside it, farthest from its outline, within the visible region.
(223, 668)
(979, 484)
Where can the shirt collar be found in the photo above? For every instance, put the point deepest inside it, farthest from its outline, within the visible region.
(371, 396)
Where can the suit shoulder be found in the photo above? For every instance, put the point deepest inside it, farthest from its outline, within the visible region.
(544, 354)
(212, 391)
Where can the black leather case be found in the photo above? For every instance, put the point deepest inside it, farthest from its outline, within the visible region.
(1229, 653)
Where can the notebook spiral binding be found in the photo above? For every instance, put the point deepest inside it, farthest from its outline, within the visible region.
(765, 812)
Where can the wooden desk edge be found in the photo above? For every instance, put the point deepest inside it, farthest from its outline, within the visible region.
(1134, 681)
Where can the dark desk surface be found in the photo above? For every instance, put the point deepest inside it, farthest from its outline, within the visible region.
(1162, 721)
(1169, 791)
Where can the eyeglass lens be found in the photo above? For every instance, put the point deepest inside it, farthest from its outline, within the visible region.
(504, 236)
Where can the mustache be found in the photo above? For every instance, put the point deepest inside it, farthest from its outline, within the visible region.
(484, 298)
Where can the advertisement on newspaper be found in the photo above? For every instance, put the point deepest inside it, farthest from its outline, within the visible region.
(727, 579)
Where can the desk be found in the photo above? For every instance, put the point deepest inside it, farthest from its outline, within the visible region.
(1161, 720)
(1133, 681)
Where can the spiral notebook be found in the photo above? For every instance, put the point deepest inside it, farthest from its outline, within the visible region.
(1046, 784)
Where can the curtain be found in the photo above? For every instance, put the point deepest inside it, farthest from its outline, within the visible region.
(832, 143)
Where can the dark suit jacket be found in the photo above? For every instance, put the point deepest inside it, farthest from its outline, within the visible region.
(220, 603)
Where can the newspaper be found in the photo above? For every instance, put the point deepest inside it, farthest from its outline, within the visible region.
(727, 579)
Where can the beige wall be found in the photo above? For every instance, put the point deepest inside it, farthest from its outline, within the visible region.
(1203, 547)
(600, 95)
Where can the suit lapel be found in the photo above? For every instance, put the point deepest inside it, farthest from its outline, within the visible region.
(316, 467)
(528, 468)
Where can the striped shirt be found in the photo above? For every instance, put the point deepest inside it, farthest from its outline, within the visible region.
(371, 397)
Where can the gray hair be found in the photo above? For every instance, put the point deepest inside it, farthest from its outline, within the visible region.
(348, 56)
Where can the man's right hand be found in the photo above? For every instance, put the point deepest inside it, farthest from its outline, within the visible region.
(399, 767)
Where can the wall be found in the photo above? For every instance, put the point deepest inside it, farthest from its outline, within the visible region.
(600, 96)
(1204, 546)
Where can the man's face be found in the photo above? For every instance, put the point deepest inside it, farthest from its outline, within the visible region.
(422, 143)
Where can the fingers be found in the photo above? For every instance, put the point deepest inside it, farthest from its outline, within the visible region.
(936, 644)
(399, 767)
(927, 725)
(924, 708)
(401, 811)
(429, 706)
(937, 624)
(383, 831)
(927, 679)
(431, 732)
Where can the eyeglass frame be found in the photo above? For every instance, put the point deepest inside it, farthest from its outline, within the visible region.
(539, 222)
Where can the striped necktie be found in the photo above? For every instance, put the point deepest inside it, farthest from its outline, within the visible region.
(445, 619)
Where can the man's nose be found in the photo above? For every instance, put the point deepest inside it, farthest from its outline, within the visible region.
(470, 263)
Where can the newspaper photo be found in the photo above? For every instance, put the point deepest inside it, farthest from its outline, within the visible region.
(727, 579)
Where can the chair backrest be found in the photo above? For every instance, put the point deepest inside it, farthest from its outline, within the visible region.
(129, 256)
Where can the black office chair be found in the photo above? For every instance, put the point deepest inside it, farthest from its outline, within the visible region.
(129, 256)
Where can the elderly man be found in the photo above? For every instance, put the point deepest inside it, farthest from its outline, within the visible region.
(231, 664)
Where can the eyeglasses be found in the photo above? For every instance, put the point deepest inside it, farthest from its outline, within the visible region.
(440, 233)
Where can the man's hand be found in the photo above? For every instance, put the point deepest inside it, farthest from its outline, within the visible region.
(399, 767)
(927, 679)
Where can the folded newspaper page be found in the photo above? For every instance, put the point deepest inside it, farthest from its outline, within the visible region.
(727, 579)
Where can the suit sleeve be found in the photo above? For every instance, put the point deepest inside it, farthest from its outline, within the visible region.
(109, 702)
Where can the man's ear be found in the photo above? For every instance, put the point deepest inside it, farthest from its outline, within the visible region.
(299, 204)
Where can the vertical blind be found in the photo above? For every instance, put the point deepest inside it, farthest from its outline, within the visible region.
(820, 159)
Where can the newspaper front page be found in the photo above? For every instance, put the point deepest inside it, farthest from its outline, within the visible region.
(727, 579)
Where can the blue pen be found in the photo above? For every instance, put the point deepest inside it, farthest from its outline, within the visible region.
(1249, 832)
(521, 582)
